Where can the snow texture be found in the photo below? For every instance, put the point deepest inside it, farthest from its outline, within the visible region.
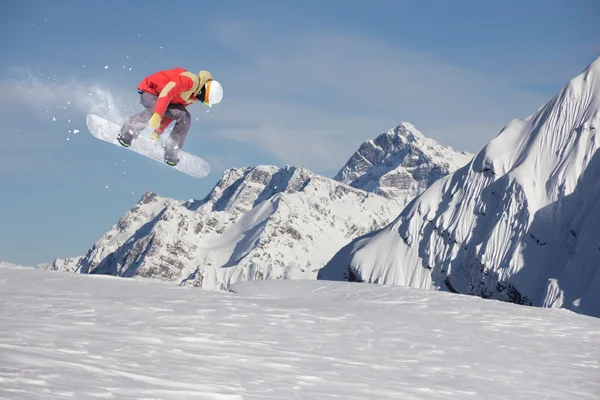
(259, 222)
(520, 222)
(98, 337)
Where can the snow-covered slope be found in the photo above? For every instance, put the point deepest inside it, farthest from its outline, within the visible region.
(70, 264)
(400, 164)
(11, 265)
(520, 222)
(257, 223)
(95, 337)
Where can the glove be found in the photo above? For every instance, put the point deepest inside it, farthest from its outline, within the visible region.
(154, 121)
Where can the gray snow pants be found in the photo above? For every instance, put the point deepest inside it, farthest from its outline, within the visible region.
(176, 112)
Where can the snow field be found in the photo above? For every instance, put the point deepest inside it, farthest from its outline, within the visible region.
(87, 336)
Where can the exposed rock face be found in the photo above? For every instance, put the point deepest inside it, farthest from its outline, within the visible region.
(400, 164)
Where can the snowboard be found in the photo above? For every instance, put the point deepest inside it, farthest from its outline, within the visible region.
(107, 131)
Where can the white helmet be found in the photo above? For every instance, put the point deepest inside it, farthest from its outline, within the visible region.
(214, 92)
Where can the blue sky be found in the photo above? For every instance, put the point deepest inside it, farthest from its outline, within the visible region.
(306, 82)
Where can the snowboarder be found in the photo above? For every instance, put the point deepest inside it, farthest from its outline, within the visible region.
(165, 95)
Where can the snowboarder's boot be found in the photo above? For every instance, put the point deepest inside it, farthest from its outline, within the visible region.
(172, 161)
(124, 139)
(171, 152)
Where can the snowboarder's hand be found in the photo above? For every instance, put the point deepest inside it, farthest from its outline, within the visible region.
(155, 136)
(154, 121)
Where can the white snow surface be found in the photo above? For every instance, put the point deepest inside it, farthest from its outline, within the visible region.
(520, 222)
(99, 337)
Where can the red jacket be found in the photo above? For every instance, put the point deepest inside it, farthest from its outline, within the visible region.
(176, 85)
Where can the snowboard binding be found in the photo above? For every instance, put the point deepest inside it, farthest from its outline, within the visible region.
(171, 152)
(124, 140)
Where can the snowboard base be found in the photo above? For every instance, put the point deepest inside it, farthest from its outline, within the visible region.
(107, 131)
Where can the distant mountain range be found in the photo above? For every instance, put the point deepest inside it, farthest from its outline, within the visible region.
(266, 222)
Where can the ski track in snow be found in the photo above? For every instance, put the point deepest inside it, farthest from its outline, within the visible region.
(98, 337)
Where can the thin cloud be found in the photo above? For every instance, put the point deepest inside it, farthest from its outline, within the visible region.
(294, 147)
(53, 96)
(41, 114)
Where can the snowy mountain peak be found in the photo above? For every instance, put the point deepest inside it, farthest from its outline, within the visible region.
(519, 223)
(552, 146)
(400, 163)
(406, 130)
(241, 189)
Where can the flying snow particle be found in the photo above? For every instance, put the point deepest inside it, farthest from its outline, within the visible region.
(106, 187)
(106, 67)
(76, 131)
(130, 69)
(54, 119)
(68, 138)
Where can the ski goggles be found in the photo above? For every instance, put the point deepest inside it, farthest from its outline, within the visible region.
(202, 95)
